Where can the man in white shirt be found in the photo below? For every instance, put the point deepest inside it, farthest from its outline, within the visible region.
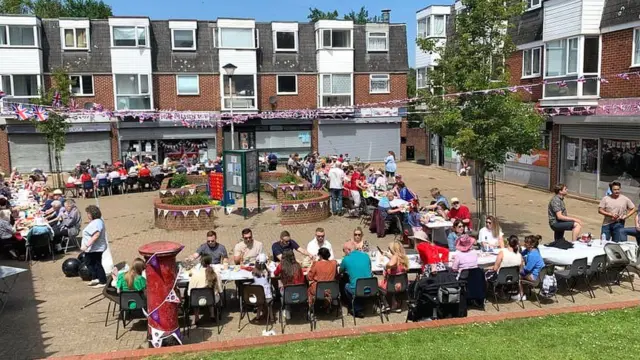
(336, 179)
(101, 174)
(114, 174)
(319, 242)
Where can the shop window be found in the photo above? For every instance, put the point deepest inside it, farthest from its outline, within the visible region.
(620, 160)
(589, 156)
(571, 154)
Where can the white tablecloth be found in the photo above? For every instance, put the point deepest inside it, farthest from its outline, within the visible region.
(484, 259)
(439, 224)
(557, 256)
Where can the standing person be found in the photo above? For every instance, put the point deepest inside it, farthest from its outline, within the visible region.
(336, 180)
(272, 160)
(615, 208)
(356, 265)
(559, 222)
(390, 164)
(248, 249)
(212, 248)
(94, 244)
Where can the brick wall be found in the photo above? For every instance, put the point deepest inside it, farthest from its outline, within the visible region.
(306, 98)
(312, 213)
(403, 139)
(554, 157)
(417, 138)
(176, 220)
(397, 89)
(514, 66)
(617, 48)
(166, 96)
(5, 161)
(115, 144)
(219, 141)
(102, 88)
(314, 135)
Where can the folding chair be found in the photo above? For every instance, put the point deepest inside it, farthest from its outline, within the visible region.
(598, 266)
(253, 297)
(200, 298)
(71, 189)
(42, 241)
(577, 270)
(507, 277)
(327, 290)
(67, 239)
(294, 295)
(618, 263)
(130, 302)
(396, 285)
(531, 286)
(367, 288)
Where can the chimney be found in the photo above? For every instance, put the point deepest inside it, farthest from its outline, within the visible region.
(386, 16)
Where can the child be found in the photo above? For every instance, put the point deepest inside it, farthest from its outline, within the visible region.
(132, 280)
(205, 277)
(261, 277)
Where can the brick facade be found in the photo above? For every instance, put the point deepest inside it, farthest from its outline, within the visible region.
(617, 48)
(102, 89)
(315, 131)
(419, 139)
(166, 96)
(312, 213)
(115, 144)
(176, 220)
(514, 66)
(397, 89)
(403, 139)
(306, 98)
(554, 157)
(5, 160)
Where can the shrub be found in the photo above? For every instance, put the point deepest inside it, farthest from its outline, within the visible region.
(179, 180)
(288, 179)
(301, 196)
(189, 200)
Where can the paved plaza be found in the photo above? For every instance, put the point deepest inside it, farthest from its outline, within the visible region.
(44, 318)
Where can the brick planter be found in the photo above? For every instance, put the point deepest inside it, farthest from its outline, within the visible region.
(281, 190)
(305, 211)
(175, 217)
(199, 180)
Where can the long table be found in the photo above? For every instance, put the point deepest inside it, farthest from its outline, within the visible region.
(555, 256)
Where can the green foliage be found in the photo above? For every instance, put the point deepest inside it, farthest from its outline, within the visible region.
(315, 14)
(92, 9)
(189, 200)
(360, 17)
(56, 126)
(301, 195)
(179, 180)
(288, 179)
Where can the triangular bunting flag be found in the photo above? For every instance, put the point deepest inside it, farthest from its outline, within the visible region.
(163, 192)
(176, 334)
(321, 204)
(191, 191)
(166, 212)
(306, 205)
(153, 261)
(251, 209)
(172, 297)
(155, 316)
(197, 212)
(292, 187)
(229, 210)
(185, 213)
(295, 207)
(273, 207)
(207, 210)
(175, 213)
(156, 337)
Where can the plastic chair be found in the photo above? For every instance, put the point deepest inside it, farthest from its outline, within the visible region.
(143, 181)
(537, 284)
(617, 262)
(396, 284)
(578, 270)
(367, 288)
(294, 295)
(253, 297)
(38, 242)
(104, 186)
(67, 239)
(598, 266)
(324, 288)
(87, 187)
(118, 184)
(197, 298)
(129, 302)
(507, 276)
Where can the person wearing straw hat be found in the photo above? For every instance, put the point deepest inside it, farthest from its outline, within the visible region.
(464, 258)
(381, 181)
(433, 257)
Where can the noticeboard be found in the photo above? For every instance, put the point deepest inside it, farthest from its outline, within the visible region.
(252, 171)
(241, 171)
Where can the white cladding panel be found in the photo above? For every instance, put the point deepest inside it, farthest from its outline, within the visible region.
(335, 61)
(183, 25)
(236, 23)
(591, 16)
(426, 59)
(20, 61)
(131, 61)
(334, 24)
(19, 20)
(286, 26)
(71, 24)
(245, 60)
(561, 19)
(129, 21)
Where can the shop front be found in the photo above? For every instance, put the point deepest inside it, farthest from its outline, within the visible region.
(369, 139)
(279, 136)
(596, 150)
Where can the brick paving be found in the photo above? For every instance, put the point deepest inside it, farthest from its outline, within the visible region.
(43, 316)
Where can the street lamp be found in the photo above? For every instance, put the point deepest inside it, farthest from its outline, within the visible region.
(230, 69)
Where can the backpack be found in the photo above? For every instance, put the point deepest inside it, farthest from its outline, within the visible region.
(549, 286)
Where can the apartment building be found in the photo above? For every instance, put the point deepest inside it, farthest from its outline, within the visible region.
(206, 70)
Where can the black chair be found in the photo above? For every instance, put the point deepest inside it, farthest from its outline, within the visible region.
(617, 263)
(598, 266)
(200, 298)
(294, 295)
(104, 187)
(507, 277)
(87, 187)
(130, 182)
(367, 288)
(476, 287)
(253, 298)
(396, 285)
(144, 182)
(131, 303)
(577, 270)
(36, 243)
(118, 185)
(111, 294)
(324, 288)
(532, 286)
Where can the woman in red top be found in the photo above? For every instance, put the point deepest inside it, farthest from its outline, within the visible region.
(290, 272)
(433, 257)
(85, 177)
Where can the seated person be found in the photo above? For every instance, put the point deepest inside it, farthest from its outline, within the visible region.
(533, 261)
(457, 231)
(398, 264)
(246, 251)
(144, 172)
(465, 258)
(205, 277)
(213, 248)
(113, 174)
(40, 227)
(8, 238)
(290, 273)
(132, 280)
(318, 242)
(433, 257)
(102, 174)
(356, 265)
(460, 212)
(401, 191)
(286, 243)
(261, 277)
(381, 181)
(438, 198)
(324, 269)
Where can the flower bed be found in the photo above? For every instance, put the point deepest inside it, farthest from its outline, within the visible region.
(306, 207)
(270, 182)
(200, 182)
(183, 217)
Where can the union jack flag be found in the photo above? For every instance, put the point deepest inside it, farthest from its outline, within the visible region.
(21, 112)
(40, 113)
(57, 99)
(72, 104)
(98, 107)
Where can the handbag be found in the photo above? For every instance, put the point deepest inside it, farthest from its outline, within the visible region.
(449, 295)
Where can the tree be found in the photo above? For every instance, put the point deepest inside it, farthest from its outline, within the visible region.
(55, 127)
(93, 9)
(482, 125)
(361, 17)
(13, 7)
(315, 14)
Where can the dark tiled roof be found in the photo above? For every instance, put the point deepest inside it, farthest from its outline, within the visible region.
(302, 61)
(617, 12)
(527, 27)
(164, 59)
(98, 60)
(394, 60)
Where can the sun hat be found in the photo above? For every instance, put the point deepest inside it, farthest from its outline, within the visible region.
(420, 235)
(261, 258)
(378, 172)
(464, 243)
(455, 200)
(57, 192)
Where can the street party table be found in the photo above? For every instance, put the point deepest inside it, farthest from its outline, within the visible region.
(552, 255)
(7, 285)
(485, 259)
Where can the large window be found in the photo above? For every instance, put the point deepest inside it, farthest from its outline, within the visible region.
(439, 26)
(17, 35)
(133, 92)
(620, 160)
(531, 62)
(188, 84)
(422, 27)
(286, 41)
(379, 84)
(183, 39)
(421, 78)
(636, 47)
(237, 38)
(336, 90)
(287, 84)
(335, 39)
(561, 57)
(75, 39)
(129, 36)
(565, 75)
(242, 94)
(20, 85)
(81, 85)
(377, 41)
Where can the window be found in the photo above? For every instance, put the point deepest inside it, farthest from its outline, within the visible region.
(533, 4)
(531, 62)
(439, 26)
(562, 65)
(377, 41)
(287, 84)
(237, 38)
(17, 35)
(379, 84)
(618, 161)
(188, 84)
(422, 28)
(183, 39)
(421, 77)
(242, 94)
(561, 57)
(335, 90)
(428, 26)
(20, 85)
(129, 36)
(81, 85)
(336, 39)
(75, 39)
(286, 41)
(636, 47)
(132, 92)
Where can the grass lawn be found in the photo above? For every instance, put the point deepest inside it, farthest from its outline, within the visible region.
(596, 335)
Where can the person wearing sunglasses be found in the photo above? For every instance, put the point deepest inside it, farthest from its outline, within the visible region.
(247, 250)
(458, 230)
(358, 240)
(491, 235)
(286, 243)
(212, 248)
(460, 212)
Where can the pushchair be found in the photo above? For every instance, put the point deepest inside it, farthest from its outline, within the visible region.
(438, 296)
